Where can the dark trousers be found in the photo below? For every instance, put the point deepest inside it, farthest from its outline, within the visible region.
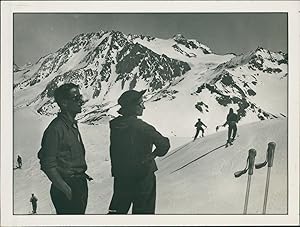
(140, 192)
(34, 207)
(197, 132)
(77, 204)
(232, 129)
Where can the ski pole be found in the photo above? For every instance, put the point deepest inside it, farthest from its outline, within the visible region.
(269, 160)
(218, 126)
(249, 168)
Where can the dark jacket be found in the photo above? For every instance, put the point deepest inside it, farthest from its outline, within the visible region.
(199, 124)
(231, 120)
(62, 147)
(33, 199)
(232, 117)
(131, 143)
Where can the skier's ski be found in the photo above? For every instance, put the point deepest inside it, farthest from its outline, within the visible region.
(177, 149)
(228, 143)
(198, 158)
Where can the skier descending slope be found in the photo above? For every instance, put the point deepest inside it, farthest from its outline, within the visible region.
(198, 126)
(231, 121)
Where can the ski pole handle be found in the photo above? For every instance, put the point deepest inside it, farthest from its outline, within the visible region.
(240, 173)
(251, 155)
(269, 158)
(270, 153)
(249, 166)
(260, 165)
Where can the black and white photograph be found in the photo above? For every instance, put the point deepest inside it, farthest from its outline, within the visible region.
(165, 113)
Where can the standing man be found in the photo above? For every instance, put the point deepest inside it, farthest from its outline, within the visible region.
(132, 158)
(231, 121)
(198, 126)
(62, 154)
(19, 161)
(33, 201)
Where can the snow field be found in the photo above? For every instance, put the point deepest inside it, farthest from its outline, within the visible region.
(205, 186)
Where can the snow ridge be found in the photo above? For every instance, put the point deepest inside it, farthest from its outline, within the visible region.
(178, 73)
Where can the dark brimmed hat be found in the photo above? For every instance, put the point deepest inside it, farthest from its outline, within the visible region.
(130, 98)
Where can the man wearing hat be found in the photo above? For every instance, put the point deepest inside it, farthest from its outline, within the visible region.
(132, 158)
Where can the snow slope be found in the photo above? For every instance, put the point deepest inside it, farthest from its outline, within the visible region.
(200, 177)
(206, 186)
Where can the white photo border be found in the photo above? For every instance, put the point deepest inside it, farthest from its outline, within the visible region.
(7, 11)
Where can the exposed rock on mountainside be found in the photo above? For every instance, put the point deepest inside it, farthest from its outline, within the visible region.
(106, 63)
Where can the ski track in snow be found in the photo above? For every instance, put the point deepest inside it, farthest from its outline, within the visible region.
(203, 184)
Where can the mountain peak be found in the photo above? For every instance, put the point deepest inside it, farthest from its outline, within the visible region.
(106, 63)
(142, 37)
(178, 37)
(259, 48)
(27, 64)
(191, 43)
(15, 67)
(115, 32)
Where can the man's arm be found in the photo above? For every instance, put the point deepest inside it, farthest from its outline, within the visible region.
(47, 155)
(227, 119)
(59, 182)
(162, 144)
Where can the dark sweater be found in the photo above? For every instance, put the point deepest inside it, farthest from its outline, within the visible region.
(131, 144)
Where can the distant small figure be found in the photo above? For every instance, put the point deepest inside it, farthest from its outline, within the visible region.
(33, 201)
(231, 121)
(198, 126)
(19, 161)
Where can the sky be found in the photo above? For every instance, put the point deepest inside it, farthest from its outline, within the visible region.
(36, 34)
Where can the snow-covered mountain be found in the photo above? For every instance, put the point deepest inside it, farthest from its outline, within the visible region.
(182, 76)
(20, 72)
(185, 80)
(16, 68)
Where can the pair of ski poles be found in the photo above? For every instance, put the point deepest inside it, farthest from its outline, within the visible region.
(249, 168)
